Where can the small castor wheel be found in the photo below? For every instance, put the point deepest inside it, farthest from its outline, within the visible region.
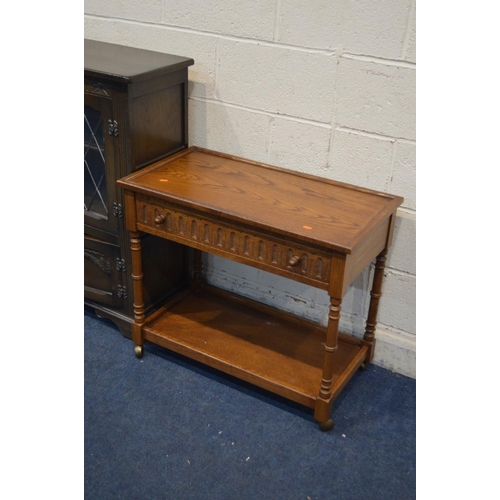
(138, 351)
(362, 367)
(326, 426)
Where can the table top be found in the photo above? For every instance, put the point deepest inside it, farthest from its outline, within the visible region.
(308, 208)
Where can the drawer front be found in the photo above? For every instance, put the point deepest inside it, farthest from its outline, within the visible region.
(269, 253)
(103, 273)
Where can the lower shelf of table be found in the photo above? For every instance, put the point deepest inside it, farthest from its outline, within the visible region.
(254, 342)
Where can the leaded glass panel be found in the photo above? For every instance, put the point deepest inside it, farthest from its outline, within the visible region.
(95, 196)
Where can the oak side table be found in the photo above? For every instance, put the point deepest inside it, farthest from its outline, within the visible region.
(309, 229)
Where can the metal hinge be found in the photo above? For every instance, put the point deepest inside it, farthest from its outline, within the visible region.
(113, 127)
(120, 265)
(122, 292)
(117, 210)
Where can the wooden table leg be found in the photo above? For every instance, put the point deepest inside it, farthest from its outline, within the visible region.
(324, 401)
(376, 293)
(139, 316)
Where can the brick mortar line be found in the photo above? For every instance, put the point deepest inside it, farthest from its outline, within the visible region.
(277, 20)
(334, 111)
(374, 135)
(389, 179)
(408, 211)
(261, 111)
(383, 332)
(257, 41)
(326, 125)
(406, 38)
(216, 70)
(400, 272)
(270, 130)
(382, 328)
(399, 63)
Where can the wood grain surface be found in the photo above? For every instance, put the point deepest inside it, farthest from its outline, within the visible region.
(127, 64)
(332, 214)
(238, 336)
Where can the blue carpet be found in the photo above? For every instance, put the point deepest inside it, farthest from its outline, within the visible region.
(164, 427)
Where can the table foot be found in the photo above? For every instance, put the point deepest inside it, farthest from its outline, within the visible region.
(138, 351)
(326, 426)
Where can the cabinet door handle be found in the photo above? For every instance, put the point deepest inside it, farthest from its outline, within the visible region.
(159, 219)
(294, 261)
(113, 128)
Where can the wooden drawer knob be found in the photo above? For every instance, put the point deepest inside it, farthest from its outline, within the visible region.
(159, 219)
(294, 261)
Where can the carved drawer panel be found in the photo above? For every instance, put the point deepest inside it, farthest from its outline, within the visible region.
(97, 86)
(230, 240)
(103, 272)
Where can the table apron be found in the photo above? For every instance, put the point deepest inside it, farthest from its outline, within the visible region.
(230, 240)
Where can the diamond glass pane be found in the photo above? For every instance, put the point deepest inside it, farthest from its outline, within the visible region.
(95, 196)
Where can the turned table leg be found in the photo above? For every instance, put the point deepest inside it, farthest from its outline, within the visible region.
(376, 293)
(324, 401)
(139, 316)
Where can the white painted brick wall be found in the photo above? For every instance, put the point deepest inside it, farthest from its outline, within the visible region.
(403, 176)
(299, 145)
(396, 309)
(376, 28)
(319, 27)
(240, 132)
(150, 11)
(402, 254)
(376, 97)
(360, 159)
(324, 87)
(410, 49)
(277, 79)
(244, 19)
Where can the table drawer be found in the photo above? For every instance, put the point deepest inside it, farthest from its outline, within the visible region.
(229, 240)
